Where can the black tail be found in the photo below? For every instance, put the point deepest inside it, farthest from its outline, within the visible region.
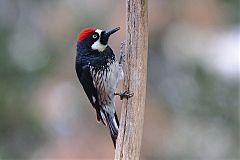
(113, 125)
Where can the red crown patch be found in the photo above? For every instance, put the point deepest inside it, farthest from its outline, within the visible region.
(84, 33)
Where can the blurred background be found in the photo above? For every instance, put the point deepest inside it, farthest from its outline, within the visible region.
(192, 107)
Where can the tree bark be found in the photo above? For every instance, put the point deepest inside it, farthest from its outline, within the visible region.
(132, 114)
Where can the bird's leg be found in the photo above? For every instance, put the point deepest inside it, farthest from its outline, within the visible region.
(122, 53)
(124, 94)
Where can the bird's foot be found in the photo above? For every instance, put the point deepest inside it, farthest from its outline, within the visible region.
(124, 95)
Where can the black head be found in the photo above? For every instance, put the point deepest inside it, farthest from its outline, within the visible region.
(95, 38)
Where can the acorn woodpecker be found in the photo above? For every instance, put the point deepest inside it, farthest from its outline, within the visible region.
(99, 73)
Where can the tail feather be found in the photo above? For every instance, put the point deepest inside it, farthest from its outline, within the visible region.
(113, 125)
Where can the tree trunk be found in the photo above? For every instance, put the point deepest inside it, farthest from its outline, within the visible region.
(132, 116)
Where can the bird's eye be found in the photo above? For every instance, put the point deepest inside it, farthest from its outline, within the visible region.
(94, 36)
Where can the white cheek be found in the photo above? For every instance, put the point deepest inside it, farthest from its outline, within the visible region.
(98, 46)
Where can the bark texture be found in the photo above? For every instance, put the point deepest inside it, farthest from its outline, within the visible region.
(132, 116)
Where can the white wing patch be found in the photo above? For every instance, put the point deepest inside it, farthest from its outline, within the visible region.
(94, 99)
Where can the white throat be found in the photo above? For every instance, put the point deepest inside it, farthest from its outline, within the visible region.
(98, 45)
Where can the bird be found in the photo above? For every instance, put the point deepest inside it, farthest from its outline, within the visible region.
(99, 73)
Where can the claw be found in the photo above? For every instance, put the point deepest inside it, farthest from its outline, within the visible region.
(124, 94)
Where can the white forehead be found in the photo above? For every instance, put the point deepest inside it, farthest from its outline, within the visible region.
(99, 31)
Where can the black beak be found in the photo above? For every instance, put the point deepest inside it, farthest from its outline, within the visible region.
(106, 34)
(111, 31)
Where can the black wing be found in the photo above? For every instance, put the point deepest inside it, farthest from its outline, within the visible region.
(84, 76)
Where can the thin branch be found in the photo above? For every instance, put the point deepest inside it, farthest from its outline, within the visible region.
(132, 116)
